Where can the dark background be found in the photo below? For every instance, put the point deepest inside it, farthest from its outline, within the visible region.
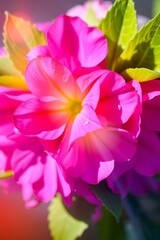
(43, 10)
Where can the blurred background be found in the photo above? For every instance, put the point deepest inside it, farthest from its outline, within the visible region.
(16, 222)
(44, 10)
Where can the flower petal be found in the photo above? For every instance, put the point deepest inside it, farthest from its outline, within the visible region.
(35, 116)
(84, 47)
(47, 77)
(148, 155)
(38, 51)
(46, 186)
(97, 171)
(86, 121)
(121, 143)
(27, 161)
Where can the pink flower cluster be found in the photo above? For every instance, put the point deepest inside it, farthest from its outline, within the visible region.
(79, 123)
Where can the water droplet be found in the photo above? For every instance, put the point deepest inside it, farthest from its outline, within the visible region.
(16, 130)
(86, 122)
(65, 78)
(119, 107)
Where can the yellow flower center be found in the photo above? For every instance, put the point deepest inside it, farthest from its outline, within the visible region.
(74, 108)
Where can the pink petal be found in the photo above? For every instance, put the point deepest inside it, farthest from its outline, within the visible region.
(35, 116)
(118, 100)
(27, 161)
(73, 160)
(151, 114)
(86, 121)
(85, 81)
(84, 47)
(47, 77)
(148, 153)
(64, 183)
(92, 97)
(97, 171)
(46, 187)
(150, 89)
(52, 181)
(84, 154)
(7, 107)
(119, 142)
(119, 108)
(37, 52)
(93, 47)
(111, 83)
(82, 189)
(18, 95)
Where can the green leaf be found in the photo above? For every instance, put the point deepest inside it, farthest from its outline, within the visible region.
(109, 200)
(119, 27)
(20, 37)
(140, 74)
(108, 228)
(143, 50)
(61, 224)
(7, 67)
(156, 7)
(157, 176)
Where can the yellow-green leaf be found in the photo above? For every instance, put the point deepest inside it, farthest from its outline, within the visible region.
(19, 37)
(140, 74)
(155, 7)
(61, 224)
(13, 82)
(143, 50)
(119, 27)
(7, 67)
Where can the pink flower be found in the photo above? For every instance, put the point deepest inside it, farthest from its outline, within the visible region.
(100, 9)
(18, 151)
(40, 162)
(71, 114)
(74, 44)
(77, 121)
(7, 134)
(32, 166)
(137, 175)
(149, 139)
